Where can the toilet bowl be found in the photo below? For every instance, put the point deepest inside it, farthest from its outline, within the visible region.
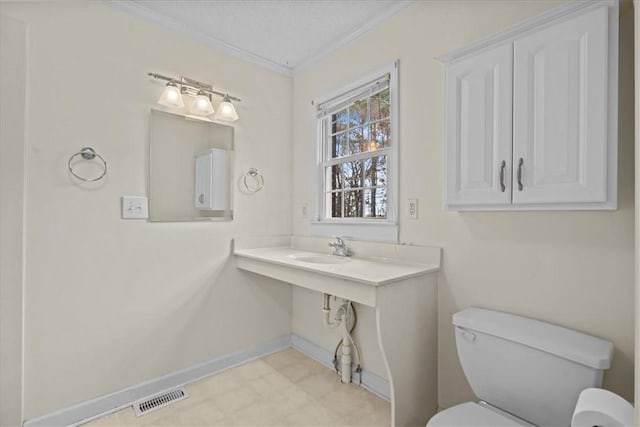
(472, 414)
(595, 407)
(524, 372)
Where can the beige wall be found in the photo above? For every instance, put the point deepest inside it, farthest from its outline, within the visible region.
(111, 303)
(570, 268)
(13, 73)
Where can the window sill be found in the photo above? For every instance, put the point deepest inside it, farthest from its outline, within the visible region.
(383, 231)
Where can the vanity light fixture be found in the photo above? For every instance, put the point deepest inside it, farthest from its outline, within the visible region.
(226, 110)
(201, 106)
(171, 96)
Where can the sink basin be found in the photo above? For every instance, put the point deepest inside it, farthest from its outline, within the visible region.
(321, 259)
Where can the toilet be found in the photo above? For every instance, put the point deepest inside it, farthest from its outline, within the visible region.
(525, 372)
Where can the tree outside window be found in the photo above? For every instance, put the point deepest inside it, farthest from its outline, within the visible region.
(356, 152)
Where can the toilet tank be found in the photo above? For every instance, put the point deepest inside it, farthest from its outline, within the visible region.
(531, 369)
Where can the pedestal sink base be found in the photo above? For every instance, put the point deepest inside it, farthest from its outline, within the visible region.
(403, 293)
(406, 320)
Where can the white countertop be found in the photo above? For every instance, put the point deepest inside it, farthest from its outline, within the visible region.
(370, 271)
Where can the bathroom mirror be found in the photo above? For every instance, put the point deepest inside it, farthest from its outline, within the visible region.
(190, 169)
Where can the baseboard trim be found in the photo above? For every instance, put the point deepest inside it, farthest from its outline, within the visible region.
(100, 406)
(112, 402)
(370, 381)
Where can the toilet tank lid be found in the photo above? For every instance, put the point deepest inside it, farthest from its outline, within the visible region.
(562, 342)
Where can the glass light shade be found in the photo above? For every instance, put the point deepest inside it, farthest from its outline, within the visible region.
(226, 111)
(171, 97)
(201, 105)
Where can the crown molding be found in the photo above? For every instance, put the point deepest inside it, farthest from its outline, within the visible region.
(149, 15)
(146, 14)
(366, 27)
(535, 23)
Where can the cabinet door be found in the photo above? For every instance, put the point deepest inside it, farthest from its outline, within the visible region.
(560, 112)
(478, 131)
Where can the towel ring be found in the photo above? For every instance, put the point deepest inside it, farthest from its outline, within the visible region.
(256, 177)
(88, 153)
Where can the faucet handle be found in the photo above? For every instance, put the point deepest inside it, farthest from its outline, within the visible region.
(340, 247)
(338, 243)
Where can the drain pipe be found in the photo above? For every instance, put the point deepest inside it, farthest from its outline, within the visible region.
(342, 318)
(345, 360)
(326, 310)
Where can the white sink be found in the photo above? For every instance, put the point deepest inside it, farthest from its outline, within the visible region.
(321, 259)
(398, 284)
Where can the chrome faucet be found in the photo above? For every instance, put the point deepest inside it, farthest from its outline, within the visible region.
(340, 247)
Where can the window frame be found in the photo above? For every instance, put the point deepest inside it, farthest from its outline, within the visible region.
(378, 229)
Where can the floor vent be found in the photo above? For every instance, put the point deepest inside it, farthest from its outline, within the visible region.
(161, 400)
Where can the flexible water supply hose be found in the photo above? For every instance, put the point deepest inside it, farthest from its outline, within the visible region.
(353, 343)
(355, 347)
(355, 322)
(342, 315)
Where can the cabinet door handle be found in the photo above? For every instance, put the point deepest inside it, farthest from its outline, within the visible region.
(503, 165)
(520, 163)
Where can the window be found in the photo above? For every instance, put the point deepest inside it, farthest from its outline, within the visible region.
(357, 146)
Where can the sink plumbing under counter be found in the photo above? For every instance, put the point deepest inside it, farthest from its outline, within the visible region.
(398, 281)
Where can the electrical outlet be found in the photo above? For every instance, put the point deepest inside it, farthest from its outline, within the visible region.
(412, 208)
(305, 210)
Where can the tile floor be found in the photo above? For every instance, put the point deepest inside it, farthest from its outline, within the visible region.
(284, 389)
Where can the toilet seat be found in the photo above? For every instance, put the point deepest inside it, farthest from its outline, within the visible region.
(473, 414)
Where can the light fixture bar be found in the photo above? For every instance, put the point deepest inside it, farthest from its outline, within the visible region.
(192, 84)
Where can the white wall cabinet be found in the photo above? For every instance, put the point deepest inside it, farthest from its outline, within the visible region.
(531, 114)
(479, 116)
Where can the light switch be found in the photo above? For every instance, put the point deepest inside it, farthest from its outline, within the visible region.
(134, 207)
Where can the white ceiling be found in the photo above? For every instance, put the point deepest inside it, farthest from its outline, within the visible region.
(284, 35)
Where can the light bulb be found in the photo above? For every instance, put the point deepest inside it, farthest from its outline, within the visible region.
(201, 105)
(226, 111)
(373, 145)
(171, 96)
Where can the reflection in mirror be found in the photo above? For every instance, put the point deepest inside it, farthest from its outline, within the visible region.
(190, 172)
